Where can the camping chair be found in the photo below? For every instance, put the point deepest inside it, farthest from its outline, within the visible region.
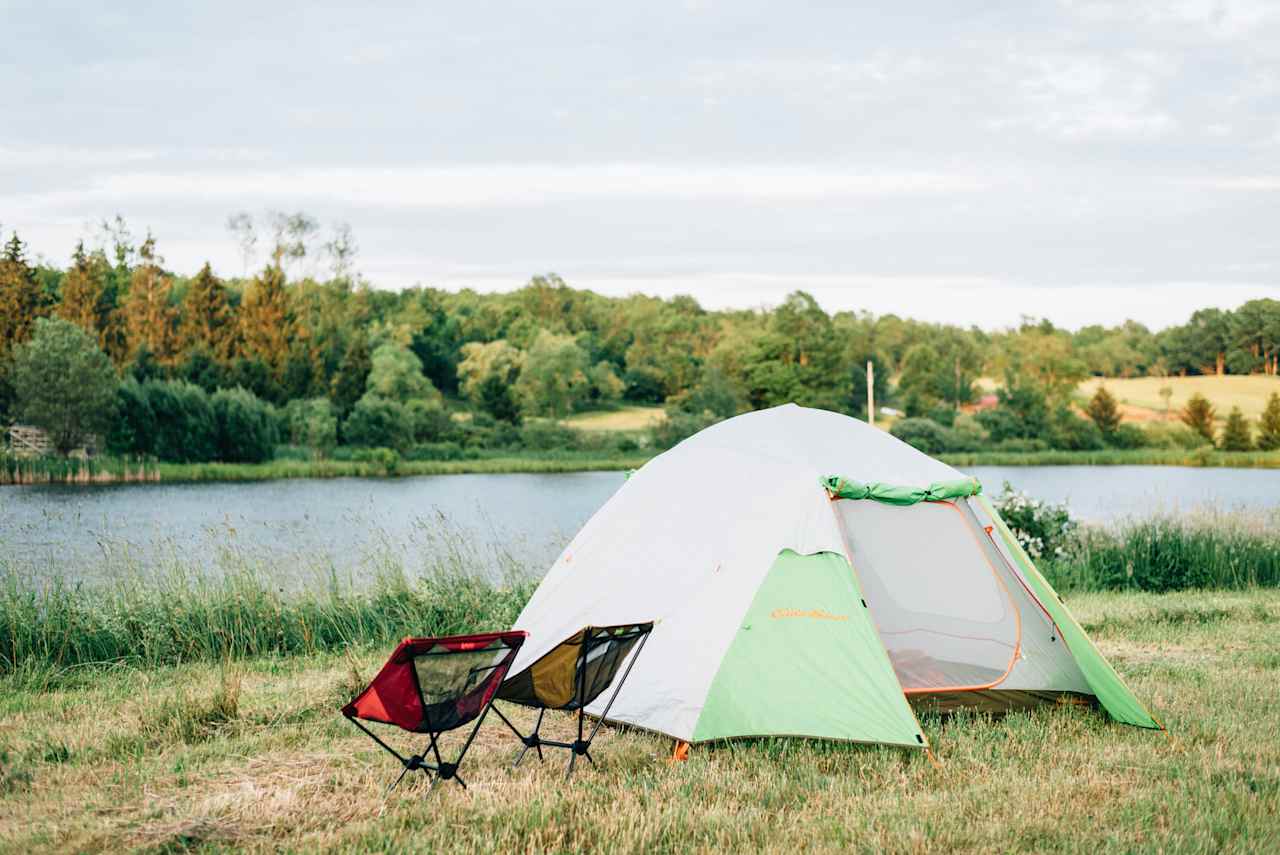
(573, 674)
(432, 685)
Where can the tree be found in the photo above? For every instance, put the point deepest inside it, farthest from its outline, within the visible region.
(21, 297)
(395, 373)
(87, 299)
(1166, 393)
(208, 322)
(1198, 414)
(1269, 424)
(1236, 435)
(149, 319)
(342, 249)
(64, 383)
(241, 226)
(289, 236)
(797, 359)
(481, 361)
(312, 423)
(266, 321)
(353, 373)
(554, 378)
(497, 398)
(1104, 411)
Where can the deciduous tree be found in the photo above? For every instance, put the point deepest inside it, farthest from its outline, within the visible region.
(64, 383)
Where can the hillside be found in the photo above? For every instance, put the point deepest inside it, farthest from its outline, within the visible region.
(1141, 401)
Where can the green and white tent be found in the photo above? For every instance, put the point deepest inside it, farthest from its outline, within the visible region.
(813, 576)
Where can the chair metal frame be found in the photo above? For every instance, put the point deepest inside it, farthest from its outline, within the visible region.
(580, 746)
(441, 769)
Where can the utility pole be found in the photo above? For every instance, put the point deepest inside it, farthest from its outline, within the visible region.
(871, 393)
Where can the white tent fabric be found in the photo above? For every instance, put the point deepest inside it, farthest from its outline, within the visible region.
(689, 538)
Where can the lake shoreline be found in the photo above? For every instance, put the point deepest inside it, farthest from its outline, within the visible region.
(112, 471)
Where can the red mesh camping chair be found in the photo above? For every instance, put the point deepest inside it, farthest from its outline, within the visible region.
(573, 674)
(432, 685)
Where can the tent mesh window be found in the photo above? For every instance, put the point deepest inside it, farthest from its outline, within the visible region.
(942, 608)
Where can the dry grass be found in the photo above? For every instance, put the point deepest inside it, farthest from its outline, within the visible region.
(1140, 396)
(621, 419)
(105, 763)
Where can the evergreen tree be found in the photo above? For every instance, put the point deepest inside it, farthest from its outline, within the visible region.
(353, 372)
(1104, 411)
(1198, 415)
(21, 297)
(266, 321)
(1269, 424)
(149, 319)
(208, 322)
(1237, 436)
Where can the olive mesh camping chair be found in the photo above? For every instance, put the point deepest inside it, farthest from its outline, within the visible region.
(433, 685)
(570, 676)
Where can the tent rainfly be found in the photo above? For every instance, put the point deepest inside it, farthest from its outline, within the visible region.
(812, 576)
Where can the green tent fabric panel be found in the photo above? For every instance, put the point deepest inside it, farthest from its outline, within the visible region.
(1112, 693)
(891, 494)
(806, 661)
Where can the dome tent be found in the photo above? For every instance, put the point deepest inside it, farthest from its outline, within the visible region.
(810, 575)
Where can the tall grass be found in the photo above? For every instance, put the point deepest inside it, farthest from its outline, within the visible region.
(73, 470)
(244, 606)
(183, 618)
(1228, 551)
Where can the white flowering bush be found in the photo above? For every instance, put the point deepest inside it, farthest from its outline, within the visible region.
(1044, 530)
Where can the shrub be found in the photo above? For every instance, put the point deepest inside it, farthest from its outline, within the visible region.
(1126, 436)
(1019, 445)
(1173, 436)
(132, 432)
(1042, 529)
(1236, 435)
(547, 436)
(1072, 433)
(430, 421)
(679, 426)
(312, 422)
(437, 451)
(185, 428)
(922, 434)
(943, 415)
(376, 421)
(246, 427)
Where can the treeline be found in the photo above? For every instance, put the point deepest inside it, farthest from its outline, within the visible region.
(344, 363)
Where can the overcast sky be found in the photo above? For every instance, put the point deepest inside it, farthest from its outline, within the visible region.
(973, 162)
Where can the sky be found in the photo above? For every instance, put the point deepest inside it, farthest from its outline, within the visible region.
(1084, 161)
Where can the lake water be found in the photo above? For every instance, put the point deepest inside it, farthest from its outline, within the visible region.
(350, 527)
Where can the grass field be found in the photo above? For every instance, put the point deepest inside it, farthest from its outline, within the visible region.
(1141, 401)
(254, 756)
(621, 419)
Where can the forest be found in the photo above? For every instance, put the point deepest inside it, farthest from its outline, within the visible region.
(208, 366)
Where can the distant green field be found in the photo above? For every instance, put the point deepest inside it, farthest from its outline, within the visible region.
(622, 419)
(1138, 394)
